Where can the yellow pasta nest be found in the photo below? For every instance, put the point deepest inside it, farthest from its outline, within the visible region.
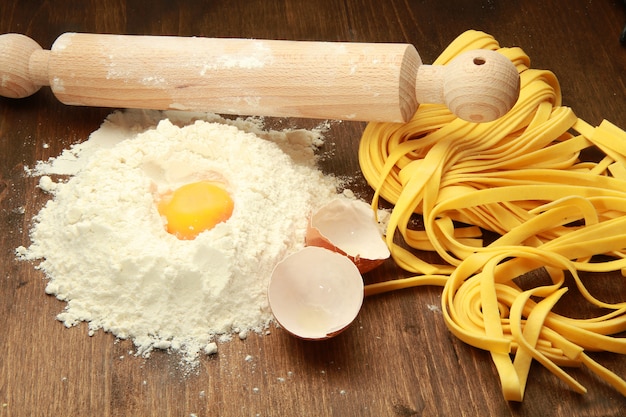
(521, 177)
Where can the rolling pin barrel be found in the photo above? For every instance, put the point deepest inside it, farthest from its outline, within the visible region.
(325, 80)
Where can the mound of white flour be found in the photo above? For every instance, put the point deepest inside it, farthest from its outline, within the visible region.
(103, 246)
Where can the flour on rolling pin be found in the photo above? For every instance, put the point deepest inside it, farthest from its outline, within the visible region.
(326, 80)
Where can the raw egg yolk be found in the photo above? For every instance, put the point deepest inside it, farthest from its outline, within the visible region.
(194, 208)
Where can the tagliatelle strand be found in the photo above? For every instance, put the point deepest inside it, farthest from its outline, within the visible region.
(521, 177)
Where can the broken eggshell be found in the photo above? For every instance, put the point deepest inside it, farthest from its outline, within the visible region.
(315, 293)
(349, 228)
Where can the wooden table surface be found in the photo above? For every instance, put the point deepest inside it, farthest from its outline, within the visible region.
(398, 359)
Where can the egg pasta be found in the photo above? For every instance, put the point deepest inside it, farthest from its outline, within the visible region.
(523, 178)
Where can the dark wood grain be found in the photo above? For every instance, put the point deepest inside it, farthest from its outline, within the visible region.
(398, 359)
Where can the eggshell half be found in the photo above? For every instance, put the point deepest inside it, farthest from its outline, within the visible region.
(349, 228)
(315, 293)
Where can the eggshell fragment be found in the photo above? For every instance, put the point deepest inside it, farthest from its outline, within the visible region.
(349, 227)
(315, 293)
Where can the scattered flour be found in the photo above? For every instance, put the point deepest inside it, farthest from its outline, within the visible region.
(103, 246)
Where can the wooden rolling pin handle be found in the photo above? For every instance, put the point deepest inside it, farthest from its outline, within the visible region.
(352, 81)
(15, 77)
(477, 86)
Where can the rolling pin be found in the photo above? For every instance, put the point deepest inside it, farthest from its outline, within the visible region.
(324, 80)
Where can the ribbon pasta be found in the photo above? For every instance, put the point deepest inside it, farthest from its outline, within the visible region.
(522, 177)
